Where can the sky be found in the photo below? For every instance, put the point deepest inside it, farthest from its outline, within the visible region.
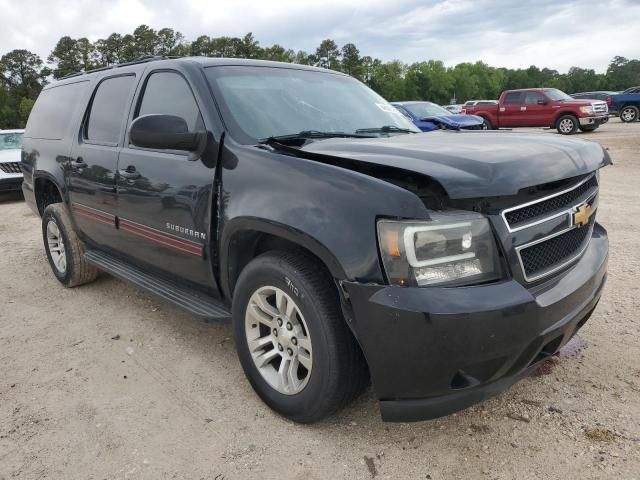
(502, 33)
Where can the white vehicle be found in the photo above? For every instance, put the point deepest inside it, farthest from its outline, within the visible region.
(10, 171)
(455, 109)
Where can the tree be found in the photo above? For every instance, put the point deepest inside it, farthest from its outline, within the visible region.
(278, 53)
(64, 58)
(145, 40)
(249, 47)
(327, 54)
(110, 50)
(351, 61)
(168, 41)
(22, 73)
(22, 76)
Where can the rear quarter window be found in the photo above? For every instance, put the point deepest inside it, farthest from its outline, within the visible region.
(53, 111)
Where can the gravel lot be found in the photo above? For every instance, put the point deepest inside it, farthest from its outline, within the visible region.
(104, 382)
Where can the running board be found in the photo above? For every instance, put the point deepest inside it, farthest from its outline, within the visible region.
(197, 303)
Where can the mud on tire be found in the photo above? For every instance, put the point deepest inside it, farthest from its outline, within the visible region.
(64, 249)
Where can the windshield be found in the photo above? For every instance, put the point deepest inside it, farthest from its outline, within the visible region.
(262, 102)
(555, 94)
(10, 141)
(426, 109)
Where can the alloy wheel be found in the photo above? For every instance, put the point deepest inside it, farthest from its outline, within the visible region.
(628, 115)
(278, 340)
(56, 247)
(566, 125)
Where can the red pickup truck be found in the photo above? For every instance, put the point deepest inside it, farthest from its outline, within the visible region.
(542, 107)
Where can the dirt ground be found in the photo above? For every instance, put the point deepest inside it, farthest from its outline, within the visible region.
(106, 382)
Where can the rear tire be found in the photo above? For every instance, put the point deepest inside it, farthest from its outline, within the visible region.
(567, 125)
(65, 251)
(486, 124)
(286, 309)
(629, 114)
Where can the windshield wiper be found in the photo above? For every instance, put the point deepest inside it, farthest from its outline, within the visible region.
(311, 134)
(385, 129)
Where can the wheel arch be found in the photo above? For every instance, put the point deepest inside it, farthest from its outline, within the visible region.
(46, 191)
(561, 114)
(246, 238)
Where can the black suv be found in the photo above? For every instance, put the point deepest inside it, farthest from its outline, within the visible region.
(343, 244)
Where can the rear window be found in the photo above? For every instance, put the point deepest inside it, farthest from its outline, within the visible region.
(512, 98)
(52, 111)
(108, 109)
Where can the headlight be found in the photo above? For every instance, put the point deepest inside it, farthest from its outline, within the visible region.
(445, 251)
(587, 109)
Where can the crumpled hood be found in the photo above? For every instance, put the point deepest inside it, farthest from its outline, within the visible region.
(9, 155)
(474, 164)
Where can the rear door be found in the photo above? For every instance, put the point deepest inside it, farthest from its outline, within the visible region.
(94, 158)
(165, 197)
(510, 111)
(537, 111)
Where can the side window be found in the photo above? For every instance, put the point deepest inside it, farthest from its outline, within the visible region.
(532, 98)
(512, 98)
(108, 110)
(168, 93)
(52, 112)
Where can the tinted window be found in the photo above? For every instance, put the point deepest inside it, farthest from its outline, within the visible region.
(168, 93)
(52, 111)
(512, 98)
(108, 109)
(532, 98)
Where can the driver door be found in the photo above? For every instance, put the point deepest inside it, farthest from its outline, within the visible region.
(165, 196)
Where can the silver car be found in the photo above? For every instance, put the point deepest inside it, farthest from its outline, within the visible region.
(10, 171)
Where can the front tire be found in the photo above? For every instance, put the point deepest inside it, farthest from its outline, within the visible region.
(293, 343)
(567, 125)
(629, 114)
(65, 251)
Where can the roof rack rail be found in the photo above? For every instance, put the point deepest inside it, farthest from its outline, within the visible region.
(142, 59)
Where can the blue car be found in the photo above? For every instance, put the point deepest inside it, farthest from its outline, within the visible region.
(428, 116)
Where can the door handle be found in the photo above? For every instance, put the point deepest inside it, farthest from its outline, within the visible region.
(129, 173)
(78, 163)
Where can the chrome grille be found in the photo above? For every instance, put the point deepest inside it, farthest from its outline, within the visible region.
(11, 167)
(600, 107)
(543, 255)
(530, 212)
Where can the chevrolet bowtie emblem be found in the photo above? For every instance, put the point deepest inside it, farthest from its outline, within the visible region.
(582, 214)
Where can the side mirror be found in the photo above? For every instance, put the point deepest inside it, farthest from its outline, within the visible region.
(165, 132)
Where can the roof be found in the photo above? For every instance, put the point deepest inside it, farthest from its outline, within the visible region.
(205, 62)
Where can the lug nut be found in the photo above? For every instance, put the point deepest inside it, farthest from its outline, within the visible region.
(275, 332)
(294, 340)
(289, 351)
(280, 347)
(279, 322)
(289, 326)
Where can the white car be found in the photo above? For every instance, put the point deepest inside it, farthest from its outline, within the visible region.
(10, 171)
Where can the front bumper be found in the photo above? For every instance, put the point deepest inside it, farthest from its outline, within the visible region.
(10, 183)
(593, 121)
(434, 351)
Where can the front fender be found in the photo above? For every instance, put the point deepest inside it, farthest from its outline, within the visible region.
(329, 210)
